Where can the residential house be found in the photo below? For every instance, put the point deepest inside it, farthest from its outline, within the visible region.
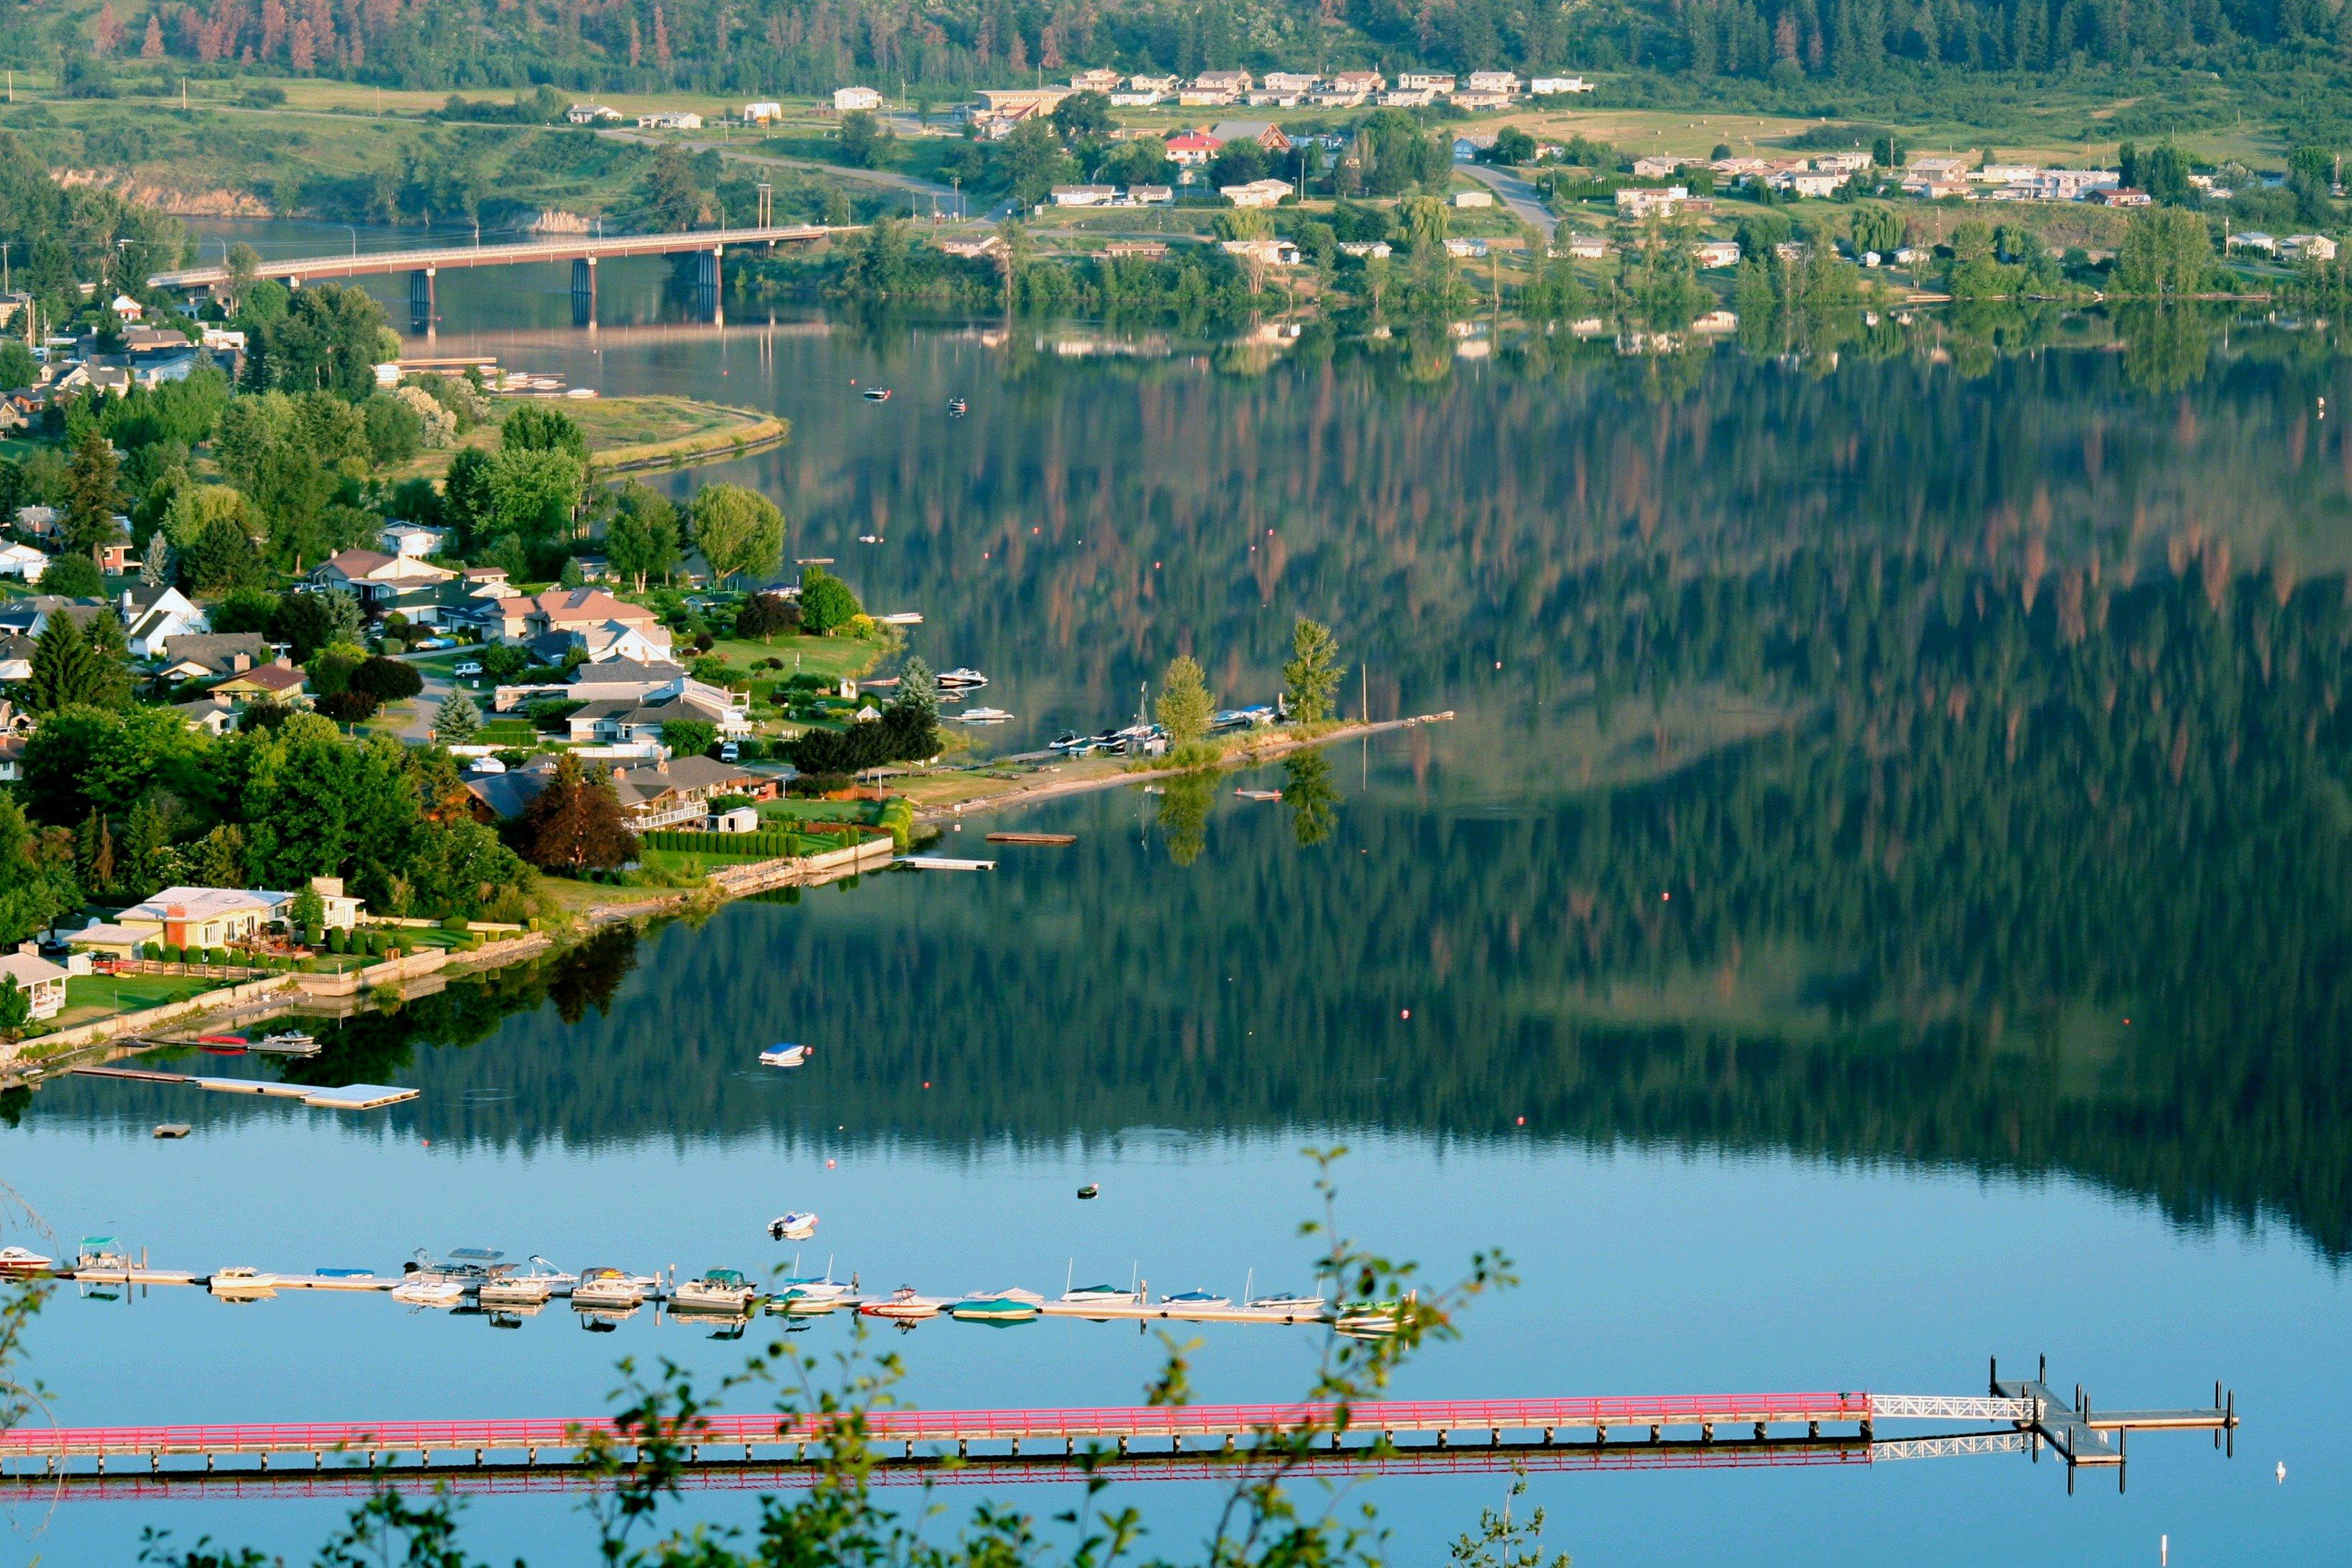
(1471, 144)
(1366, 248)
(414, 541)
(127, 309)
(1474, 198)
(1642, 201)
(1424, 82)
(1257, 194)
(2306, 247)
(1336, 98)
(622, 721)
(385, 582)
(485, 582)
(44, 982)
(1289, 81)
(153, 616)
(94, 376)
(592, 114)
(2253, 239)
(2120, 196)
(264, 684)
(980, 249)
(1222, 81)
(1152, 84)
(39, 521)
(670, 119)
(1191, 148)
(1085, 196)
(12, 758)
(1809, 182)
(503, 796)
(1481, 100)
(1024, 100)
(763, 112)
(677, 792)
(1465, 249)
(213, 714)
(1715, 253)
(1270, 252)
(1925, 166)
(1504, 82)
(1656, 166)
(16, 659)
(212, 916)
(1358, 81)
(1407, 98)
(603, 642)
(1130, 98)
(1138, 249)
(1551, 86)
(1099, 79)
(2003, 173)
(197, 657)
(571, 609)
(849, 100)
(636, 679)
(1151, 196)
(1265, 132)
(15, 416)
(22, 561)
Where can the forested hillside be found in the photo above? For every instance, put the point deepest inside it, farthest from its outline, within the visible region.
(805, 45)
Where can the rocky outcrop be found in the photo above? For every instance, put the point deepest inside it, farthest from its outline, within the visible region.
(215, 202)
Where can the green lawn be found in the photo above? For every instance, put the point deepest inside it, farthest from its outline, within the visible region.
(92, 997)
(830, 657)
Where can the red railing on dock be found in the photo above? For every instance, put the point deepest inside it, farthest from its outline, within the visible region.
(1424, 1415)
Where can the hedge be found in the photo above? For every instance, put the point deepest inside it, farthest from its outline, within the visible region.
(771, 844)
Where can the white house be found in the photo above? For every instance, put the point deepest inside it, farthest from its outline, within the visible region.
(1289, 81)
(1424, 82)
(590, 113)
(846, 100)
(1474, 198)
(670, 119)
(1715, 253)
(2306, 247)
(1256, 194)
(1549, 87)
(43, 980)
(1085, 196)
(1641, 201)
(1504, 82)
(127, 308)
(2254, 240)
(23, 561)
(414, 540)
(1271, 252)
(154, 616)
(1465, 249)
(763, 113)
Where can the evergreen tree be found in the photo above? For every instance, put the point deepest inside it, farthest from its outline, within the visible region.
(110, 661)
(62, 670)
(1184, 704)
(1311, 678)
(919, 689)
(93, 486)
(456, 720)
(94, 852)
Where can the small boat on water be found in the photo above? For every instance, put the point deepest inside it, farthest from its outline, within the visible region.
(1002, 1307)
(876, 394)
(1203, 1299)
(984, 715)
(962, 678)
(173, 1129)
(240, 1283)
(1101, 1296)
(715, 1291)
(903, 1305)
(286, 1042)
(611, 1288)
(423, 1293)
(22, 1262)
(508, 1285)
(99, 1255)
(1090, 1190)
(465, 1267)
(1297, 1306)
(958, 408)
(785, 1055)
(794, 1224)
(237, 1041)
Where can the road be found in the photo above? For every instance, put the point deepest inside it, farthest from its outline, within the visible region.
(1517, 194)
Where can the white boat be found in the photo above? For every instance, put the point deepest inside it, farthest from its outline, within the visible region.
(984, 715)
(507, 1287)
(420, 1292)
(610, 1288)
(1200, 1300)
(717, 1291)
(242, 1284)
(876, 394)
(1295, 1306)
(785, 1055)
(793, 1225)
(1102, 1296)
(963, 678)
(20, 1261)
(903, 1305)
(286, 1043)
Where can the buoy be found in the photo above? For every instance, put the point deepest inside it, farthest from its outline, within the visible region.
(1407, 1013)
(828, 1165)
(1522, 1121)
(927, 1083)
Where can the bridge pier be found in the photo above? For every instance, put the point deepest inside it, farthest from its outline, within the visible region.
(710, 283)
(422, 304)
(584, 290)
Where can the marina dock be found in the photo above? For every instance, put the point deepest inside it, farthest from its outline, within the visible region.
(1617, 1432)
(346, 1097)
(2081, 1435)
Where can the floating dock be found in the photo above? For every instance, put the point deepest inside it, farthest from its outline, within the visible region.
(1367, 1433)
(943, 863)
(2084, 1436)
(345, 1097)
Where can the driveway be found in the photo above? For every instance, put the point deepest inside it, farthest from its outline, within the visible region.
(1517, 194)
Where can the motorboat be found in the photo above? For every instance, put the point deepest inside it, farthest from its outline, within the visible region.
(1368, 1319)
(984, 715)
(240, 1283)
(1201, 1300)
(799, 1301)
(1242, 717)
(99, 1255)
(903, 1305)
(1101, 1296)
(464, 1267)
(611, 1288)
(1294, 1306)
(785, 1055)
(507, 1286)
(958, 408)
(1069, 740)
(286, 1042)
(1090, 1190)
(998, 1307)
(961, 677)
(796, 1225)
(876, 394)
(717, 1291)
(22, 1262)
(423, 1293)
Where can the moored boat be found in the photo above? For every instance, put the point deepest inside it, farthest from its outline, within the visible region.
(962, 677)
(286, 1042)
(22, 1262)
(958, 408)
(610, 1288)
(715, 1291)
(903, 1305)
(793, 1225)
(416, 1291)
(1296, 1306)
(1199, 1301)
(876, 394)
(239, 1283)
(1003, 1307)
(984, 715)
(1101, 1296)
(507, 1286)
(785, 1055)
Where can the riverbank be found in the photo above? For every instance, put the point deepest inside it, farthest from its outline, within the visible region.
(627, 434)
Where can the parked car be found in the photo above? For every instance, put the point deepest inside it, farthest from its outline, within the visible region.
(467, 667)
(729, 752)
(429, 643)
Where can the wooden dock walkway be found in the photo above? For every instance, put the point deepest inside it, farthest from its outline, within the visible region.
(2083, 1436)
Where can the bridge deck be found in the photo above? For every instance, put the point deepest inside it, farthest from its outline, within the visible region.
(567, 248)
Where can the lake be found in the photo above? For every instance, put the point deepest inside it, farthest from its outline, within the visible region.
(1883, 902)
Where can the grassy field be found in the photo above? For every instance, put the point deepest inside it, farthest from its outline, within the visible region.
(834, 658)
(92, 997)
(626, 433)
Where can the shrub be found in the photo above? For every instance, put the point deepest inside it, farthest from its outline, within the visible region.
(348, 707)
(473, 941)
(171, 951)
(455, 923)
(387, 680)
(766, 615)
(337, 942)
(151, 951)
(314, 935)
(217, 956)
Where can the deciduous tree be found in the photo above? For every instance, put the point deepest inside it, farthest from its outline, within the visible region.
(740, 532)
(1311, 678)
(574, 823)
